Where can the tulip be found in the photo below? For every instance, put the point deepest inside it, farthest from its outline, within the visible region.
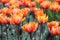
(25, 11)
(16, 18)
(53, 30)
(54, 6)
(42, 19)
(14, 3)
(30, 27)
(4, 19)
(45, 4)
(53, 23)
(53, 27)
(38, 12)
(15, 10)
(5, 10)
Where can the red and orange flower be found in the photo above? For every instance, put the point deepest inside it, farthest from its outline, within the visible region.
(53, 23)
(54, 6)
(30, 27)
(25, 11)
(4, 19)
(5, 10)
(38, 12)
(42, 19)
(45, 4)
(16, 18)
(53, 27)
(40, 16)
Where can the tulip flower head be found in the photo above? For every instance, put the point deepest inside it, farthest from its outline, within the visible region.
(16, 18)
(42, 19)
(4, 19)
(30, 27)
(54, 6)
(53, 27)
(45, 4)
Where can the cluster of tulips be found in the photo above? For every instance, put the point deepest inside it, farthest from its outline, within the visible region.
(14, 15)
(41, 18)
(53, 6)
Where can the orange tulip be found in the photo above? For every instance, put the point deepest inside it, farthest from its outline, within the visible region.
(54, 6)
(4, 19)
(45, 4)
(38, 12)
(30, 27)
(15, 10)
(5, 10)
(16, 18)
(53, 23)
(53, 27)
(25, 11)
(14, 3)
(53, 30)
(42, 19)
(40, 16)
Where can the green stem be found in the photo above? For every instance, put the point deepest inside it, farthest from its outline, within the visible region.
(30, 36)
(45, 11)
(6, 32)
(54, 15)
(17, 30)
(41, 31)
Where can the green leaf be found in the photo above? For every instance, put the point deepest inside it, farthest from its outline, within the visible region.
(50, 15)
(37, 5)
(1, 5)
(24, 35)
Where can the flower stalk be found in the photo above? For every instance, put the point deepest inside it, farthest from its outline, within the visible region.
(6, 32)
(41, 31)
(30, 35)
(17, 30)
